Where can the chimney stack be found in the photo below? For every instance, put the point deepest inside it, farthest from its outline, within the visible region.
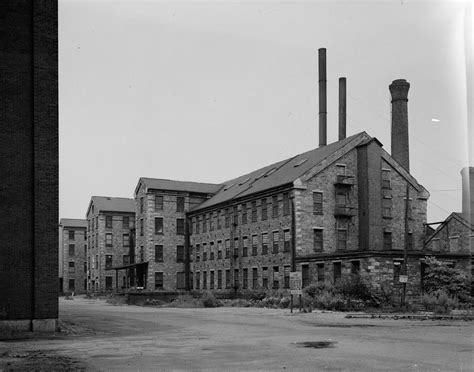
(322, 98)
(468, 194)
(342, 108)
(400, 149)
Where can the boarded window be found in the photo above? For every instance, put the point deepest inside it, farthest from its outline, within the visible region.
(254, 211)
(71, 250)
(287, 241)
(179, 226)
(71, 266)
(245, 247)
(341, 239)
(227, 248)
(341, 199)
(317, 240)
(71, 234)
(276, 240)
(158, 280)
(286, 204)
(320, 272)
(108, 240)
(387, 240)
(158, 202)
(180, 280)
(126, 240)
(125, 222)
(108, 222)
(226, 218)
(264, 243)
(108, 282)
(317, 203)
(337, 271)
(387, 207)
(180, 204)
(264, 209)
(211, 251)
(386, 183)
(453, 243)
(397, 270)
(254, 245)
(275, 206)
(158, 253)
(125, 260)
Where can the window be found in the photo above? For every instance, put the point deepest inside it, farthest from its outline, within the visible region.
(286, 204)
(227, 278)
(204, 251)
(341, 199)
(71, 250)
(236, 278)
(108, 282)
(275, 206)
(125, 260)
(286, 273)
(219, 249)
(276, 239)
(254, 211)
(211, 222)
(236, 216)
(337, 271)
(436, 245)
(287, 241)
(204, 280)
(179, 226)
(244, 213)
(141, 226)
(141, 204)
(387, 207)
(387, 240)
(197, 253)
(265, 277)
(211, 280)
(264, 243)
(198, 280)
(126, 240)
(386, 183)
(341, 239)
(180, 204)
(158, 280)
(108, 261)
(276, 277)
(219, 279)
(317, 203)
(340, 169)
(454, 243)
(397, 270)
(125, 222)
(318, 240)
(71, 234)
(205, 218)
(245, 278)
(236, 247)
(227, 248)
(71, 266)
(305, 275)
(198, 224)
(320, 272)
(226, 218)
(254, 278)
(158, 202)
(180, 253)
(180, 280)
(355, 267)
(158, 253)
(219, 226)
(108, 240)
(264, 209)
(71, 285)
(108, 222)
(211, 251)
(245, 246)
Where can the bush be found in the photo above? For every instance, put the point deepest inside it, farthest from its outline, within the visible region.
(329, 301)
(439, 302)
(210, 301)
(356, 287)
(284, 303)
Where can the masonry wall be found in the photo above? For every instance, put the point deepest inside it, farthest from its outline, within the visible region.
(77, 274)
(236, 259)
(29, 213)
(452, 237)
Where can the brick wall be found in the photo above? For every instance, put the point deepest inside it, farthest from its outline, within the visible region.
(29, 248)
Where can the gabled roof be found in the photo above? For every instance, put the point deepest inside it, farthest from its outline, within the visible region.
(172, 185)
(112, 204)
(281, 173)
(455, 215)
(72, 222)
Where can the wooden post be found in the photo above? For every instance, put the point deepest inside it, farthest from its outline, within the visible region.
(291, 303)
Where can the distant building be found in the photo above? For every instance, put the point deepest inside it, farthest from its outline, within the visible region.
(73, 252)
(29, 170)
(110, 226)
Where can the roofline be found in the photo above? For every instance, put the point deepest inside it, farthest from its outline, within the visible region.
(441, 225)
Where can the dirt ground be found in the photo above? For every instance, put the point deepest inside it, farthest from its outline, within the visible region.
(98, 336)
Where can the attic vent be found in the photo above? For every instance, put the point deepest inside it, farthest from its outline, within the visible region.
(300, 162)
(270, 172)
(241, 183)
(228, 187)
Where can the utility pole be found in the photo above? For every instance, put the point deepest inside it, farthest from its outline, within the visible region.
(405, 251)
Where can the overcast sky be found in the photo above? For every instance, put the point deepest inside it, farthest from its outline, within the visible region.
(208, 91)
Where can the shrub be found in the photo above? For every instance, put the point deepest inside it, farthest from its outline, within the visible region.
(329, 301)
(210, 301)
(356, 287)
(284, 303)
(439, 302)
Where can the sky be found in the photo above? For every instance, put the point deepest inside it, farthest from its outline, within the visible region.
(208, 91)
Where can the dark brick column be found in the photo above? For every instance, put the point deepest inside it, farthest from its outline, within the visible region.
(400, 146)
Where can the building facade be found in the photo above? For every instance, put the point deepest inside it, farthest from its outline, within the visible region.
(110, 225)
(29, 171)
(161, 207)
(73, 253)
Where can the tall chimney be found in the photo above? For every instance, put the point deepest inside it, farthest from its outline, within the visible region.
(468, 193)
(342, 108)
(400, 149)
(322, 98)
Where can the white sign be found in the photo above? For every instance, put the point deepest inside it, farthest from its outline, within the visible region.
(403, 279)
(295, 280)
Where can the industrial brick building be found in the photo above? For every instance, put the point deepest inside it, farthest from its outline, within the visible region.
(29, 174)
(72, 255)
(110, 233)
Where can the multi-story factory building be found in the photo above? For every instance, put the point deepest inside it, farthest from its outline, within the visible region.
(72, 255)
(161, 232)
(110, 222)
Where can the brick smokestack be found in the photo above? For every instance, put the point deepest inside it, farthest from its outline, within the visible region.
(322, 98)
(342, 108)
(468, 193)
(400, 149)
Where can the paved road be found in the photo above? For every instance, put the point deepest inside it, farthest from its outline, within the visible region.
(107, 337)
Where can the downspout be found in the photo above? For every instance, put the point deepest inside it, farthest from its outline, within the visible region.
(293, 233)
(187, 264)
